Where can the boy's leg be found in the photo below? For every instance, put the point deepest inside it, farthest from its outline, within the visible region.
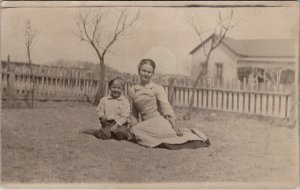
(105, 132)
(122, 133)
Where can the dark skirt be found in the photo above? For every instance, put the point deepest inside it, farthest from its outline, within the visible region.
(186, 145)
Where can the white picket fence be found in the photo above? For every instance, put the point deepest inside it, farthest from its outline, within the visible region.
(249, 102)
(72, 84)
(49, 83)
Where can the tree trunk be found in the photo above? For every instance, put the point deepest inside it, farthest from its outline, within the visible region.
(31, 76)
(200, 75)
(188, 115)
(101, 88)
(171, 91)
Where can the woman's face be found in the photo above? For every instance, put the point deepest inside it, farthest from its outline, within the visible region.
(146, 72)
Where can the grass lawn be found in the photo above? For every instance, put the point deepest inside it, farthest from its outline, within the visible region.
(44, 145)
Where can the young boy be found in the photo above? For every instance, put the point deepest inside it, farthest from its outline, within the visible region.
(113, 111)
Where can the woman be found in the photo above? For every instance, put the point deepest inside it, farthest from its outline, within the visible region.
(157, 128)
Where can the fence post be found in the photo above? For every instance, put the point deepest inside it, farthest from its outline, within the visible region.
(11, 82)
(171, 94)
(11, 79)
(245, 83)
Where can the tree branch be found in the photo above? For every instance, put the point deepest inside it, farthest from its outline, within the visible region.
(197, 31)
(84, 24)
(120, 31)
(90, 24)
(82, 38)
(96, 25)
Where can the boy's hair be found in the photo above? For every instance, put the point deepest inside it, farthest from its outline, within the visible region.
(116, 78)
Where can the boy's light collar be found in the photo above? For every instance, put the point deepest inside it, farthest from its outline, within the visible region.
(111, 97)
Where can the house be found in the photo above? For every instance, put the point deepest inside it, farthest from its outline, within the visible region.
(236, 59)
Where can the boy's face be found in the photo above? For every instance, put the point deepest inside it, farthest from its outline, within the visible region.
(116, 89)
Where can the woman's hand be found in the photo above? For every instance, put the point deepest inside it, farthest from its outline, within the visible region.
(178, 131)
(132, 120)
(172, 122)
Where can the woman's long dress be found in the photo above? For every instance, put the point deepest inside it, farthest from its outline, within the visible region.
(151, 103)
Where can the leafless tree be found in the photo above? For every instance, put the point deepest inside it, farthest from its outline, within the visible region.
(30, 37)
(219, 32)
(91, 24)
(272, 75)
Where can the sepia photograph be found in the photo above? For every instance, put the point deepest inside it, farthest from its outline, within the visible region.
(137, 94)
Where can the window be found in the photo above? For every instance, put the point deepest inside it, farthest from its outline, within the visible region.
(219, 71)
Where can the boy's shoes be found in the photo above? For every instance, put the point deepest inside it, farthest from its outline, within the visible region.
(102, 135)
(118, 133)
(99, 134)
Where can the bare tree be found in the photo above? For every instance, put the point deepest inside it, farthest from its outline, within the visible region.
(272, 75)
(218, 34)
(30, 37)
(91, 24)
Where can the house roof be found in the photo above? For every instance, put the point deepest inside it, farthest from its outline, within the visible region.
(258, 48)
(267, 59)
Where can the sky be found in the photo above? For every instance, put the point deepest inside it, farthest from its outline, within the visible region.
(161, 33)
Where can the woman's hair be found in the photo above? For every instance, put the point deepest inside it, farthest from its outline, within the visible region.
(120, 79)
(147, 61)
